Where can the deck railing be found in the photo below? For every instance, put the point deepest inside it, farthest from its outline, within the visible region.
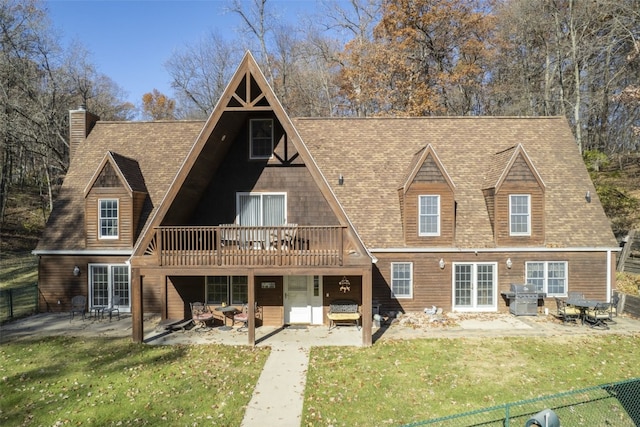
(232, 245)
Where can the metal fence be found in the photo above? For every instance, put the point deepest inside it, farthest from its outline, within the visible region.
(615, 404)
(18, 302)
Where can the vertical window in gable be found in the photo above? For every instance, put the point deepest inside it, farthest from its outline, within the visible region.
(261, 140)
(520, 214)
(429, 215)
(401, 280)
(108, 218)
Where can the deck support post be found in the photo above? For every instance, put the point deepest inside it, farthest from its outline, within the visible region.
(137, 328)
(251, 308)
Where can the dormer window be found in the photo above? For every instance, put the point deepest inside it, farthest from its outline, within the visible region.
(108, 218)
(261, 141)
(520, 214)
(429, 215)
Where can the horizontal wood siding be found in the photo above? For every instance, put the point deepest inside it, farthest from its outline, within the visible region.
(125, 218)
(181, 291)
(433, 286)
(502, 229)
(56, 281)
(270, 301)
(447, 214)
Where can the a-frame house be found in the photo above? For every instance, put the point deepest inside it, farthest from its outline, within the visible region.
(249, 206)
(285, 216)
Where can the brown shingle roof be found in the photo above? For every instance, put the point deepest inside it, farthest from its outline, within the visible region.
(373, 155)
(158, 148)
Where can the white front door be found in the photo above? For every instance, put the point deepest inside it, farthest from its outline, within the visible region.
(302, 300)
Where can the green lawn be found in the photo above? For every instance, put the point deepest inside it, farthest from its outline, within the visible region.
(403, 382)
(74, 381)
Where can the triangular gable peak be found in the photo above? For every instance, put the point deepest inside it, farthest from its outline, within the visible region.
(427, 177)
(247, 92)
(117, 171)
(512, 165)
(427, 167)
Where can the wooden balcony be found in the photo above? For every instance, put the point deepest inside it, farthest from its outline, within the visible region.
(233, 245)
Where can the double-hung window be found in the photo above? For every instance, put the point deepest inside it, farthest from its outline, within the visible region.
(401, 280)
(227, 289)
(261, 140)
(261, 209)
(429, 215)
(548, 276)
(520, 214)
(108, 218)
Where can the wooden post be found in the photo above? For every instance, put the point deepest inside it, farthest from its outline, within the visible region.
(137, 327)
(251, 309)
(367, 296)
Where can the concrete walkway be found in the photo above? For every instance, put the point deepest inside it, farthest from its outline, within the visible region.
(279, 395)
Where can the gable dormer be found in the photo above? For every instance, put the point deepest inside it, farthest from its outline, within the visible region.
(514, 196)
(427, 201)
(114, 200)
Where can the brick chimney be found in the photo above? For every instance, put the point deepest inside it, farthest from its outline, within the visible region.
(80, 124)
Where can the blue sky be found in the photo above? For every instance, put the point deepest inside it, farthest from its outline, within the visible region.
(130, 41)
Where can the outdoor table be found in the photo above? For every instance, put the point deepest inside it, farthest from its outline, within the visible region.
(224, 310)
(583, 305)
(97, 310)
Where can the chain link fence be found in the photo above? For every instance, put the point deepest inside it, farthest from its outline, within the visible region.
(18, 302)
(615, 404)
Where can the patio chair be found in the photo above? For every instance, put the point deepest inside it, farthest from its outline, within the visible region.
(200, 314)
(613, 312)
(113, 308)
(78, 306)
(596, 317)
(566, 312)
(243, 316)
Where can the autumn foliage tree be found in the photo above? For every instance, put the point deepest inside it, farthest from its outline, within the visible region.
(157, 106)
(427, 57)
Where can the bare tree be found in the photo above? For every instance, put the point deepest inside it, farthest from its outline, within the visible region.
(200, 73)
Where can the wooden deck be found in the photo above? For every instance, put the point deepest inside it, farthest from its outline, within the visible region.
(233, 245)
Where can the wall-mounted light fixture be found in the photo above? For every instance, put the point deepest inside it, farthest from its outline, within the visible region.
(340, 179)
(587, 196)
(441, 263)
(509, 263)
(76, 271)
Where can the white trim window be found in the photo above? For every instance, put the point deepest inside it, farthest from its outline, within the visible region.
(261, 138)
(548, 276)
(429, 215)
(401, 280)
(475, 286)
(520, 214)
(261, 209)
(106, 281)
(227, 289)
(108, 218)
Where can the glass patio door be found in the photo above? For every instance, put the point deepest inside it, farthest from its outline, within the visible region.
(475, 287)
(105, 281)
